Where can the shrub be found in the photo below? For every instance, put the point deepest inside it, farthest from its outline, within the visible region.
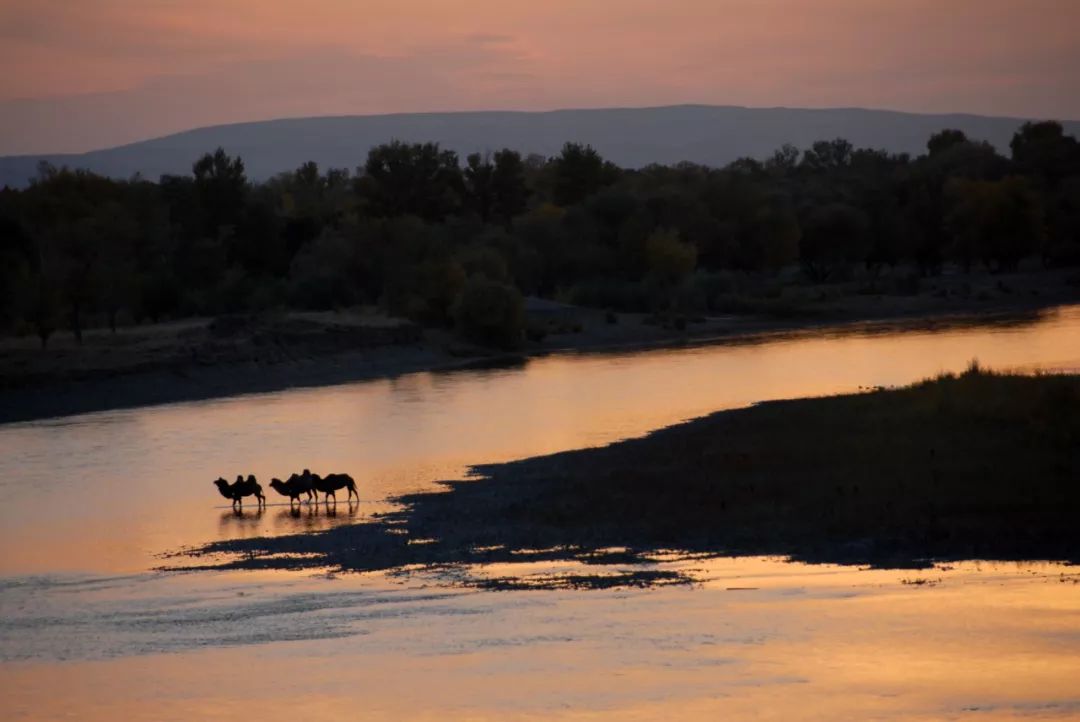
(627, 296)
(320, 278)
(490, 314)
(669, 258)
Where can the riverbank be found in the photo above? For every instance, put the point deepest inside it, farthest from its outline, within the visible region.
(976, 466)
(213, 358)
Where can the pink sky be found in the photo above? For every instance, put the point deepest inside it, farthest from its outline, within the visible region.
(92, 73)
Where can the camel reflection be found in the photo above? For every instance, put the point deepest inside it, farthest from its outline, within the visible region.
(314, 517)
(246, 522)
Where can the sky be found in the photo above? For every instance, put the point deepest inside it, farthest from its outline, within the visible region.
(86, 74)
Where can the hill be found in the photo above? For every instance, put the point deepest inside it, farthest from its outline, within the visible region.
(630, 137)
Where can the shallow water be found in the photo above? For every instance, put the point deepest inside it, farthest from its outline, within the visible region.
(758, 639)
(92, 501)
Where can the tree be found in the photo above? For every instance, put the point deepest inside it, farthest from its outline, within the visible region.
(833, 237)
(1063, 224)
(945, 139)
(16, 251)
(118, 269)
(669, 258)
(828, 155)
(479, 181)
(38, 300)
(478, 259)
(775, 236)
(999, 222)
(579, 173)
(784, 160)
(220, 189)
(321, 277)
(921, 195)
(1042, 149)
(420, 179)
(509, 192)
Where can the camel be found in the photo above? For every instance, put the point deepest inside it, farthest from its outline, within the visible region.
(239, 489)
(303, 483)
(293, 488)
(331, 483)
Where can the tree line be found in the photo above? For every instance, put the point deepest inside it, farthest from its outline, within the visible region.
(442, 242)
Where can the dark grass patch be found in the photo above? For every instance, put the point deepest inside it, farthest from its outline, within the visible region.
(620, 580)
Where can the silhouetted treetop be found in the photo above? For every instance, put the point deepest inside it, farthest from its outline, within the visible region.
(417, 231)
(944, 140)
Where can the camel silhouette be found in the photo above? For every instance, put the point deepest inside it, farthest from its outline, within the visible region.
(331, 483)
(239, 489)
(294, 487)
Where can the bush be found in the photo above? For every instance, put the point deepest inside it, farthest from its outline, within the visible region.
(627, 296)
(490, 314)
(1063, 253)
(320, 279)
(669, 258)
(268, 293)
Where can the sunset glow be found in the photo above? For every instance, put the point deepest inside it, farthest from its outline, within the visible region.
(109, 71)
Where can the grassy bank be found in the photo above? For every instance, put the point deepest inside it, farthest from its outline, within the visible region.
(976, 466)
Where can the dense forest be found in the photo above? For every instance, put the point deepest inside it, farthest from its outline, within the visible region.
(427, 237)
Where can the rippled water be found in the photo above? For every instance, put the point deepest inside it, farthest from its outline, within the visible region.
(759, 639)
(90, 502)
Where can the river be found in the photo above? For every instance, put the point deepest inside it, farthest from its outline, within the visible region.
(92, 502)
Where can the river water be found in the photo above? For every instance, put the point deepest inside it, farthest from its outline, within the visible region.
(91, 502)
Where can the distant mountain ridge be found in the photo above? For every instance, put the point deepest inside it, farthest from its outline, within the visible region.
(630, 137)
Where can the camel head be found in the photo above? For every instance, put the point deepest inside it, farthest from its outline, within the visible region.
(223, 487)
(278, 485)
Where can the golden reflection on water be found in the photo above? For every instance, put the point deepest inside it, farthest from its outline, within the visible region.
(111, 490)
(760, 639)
